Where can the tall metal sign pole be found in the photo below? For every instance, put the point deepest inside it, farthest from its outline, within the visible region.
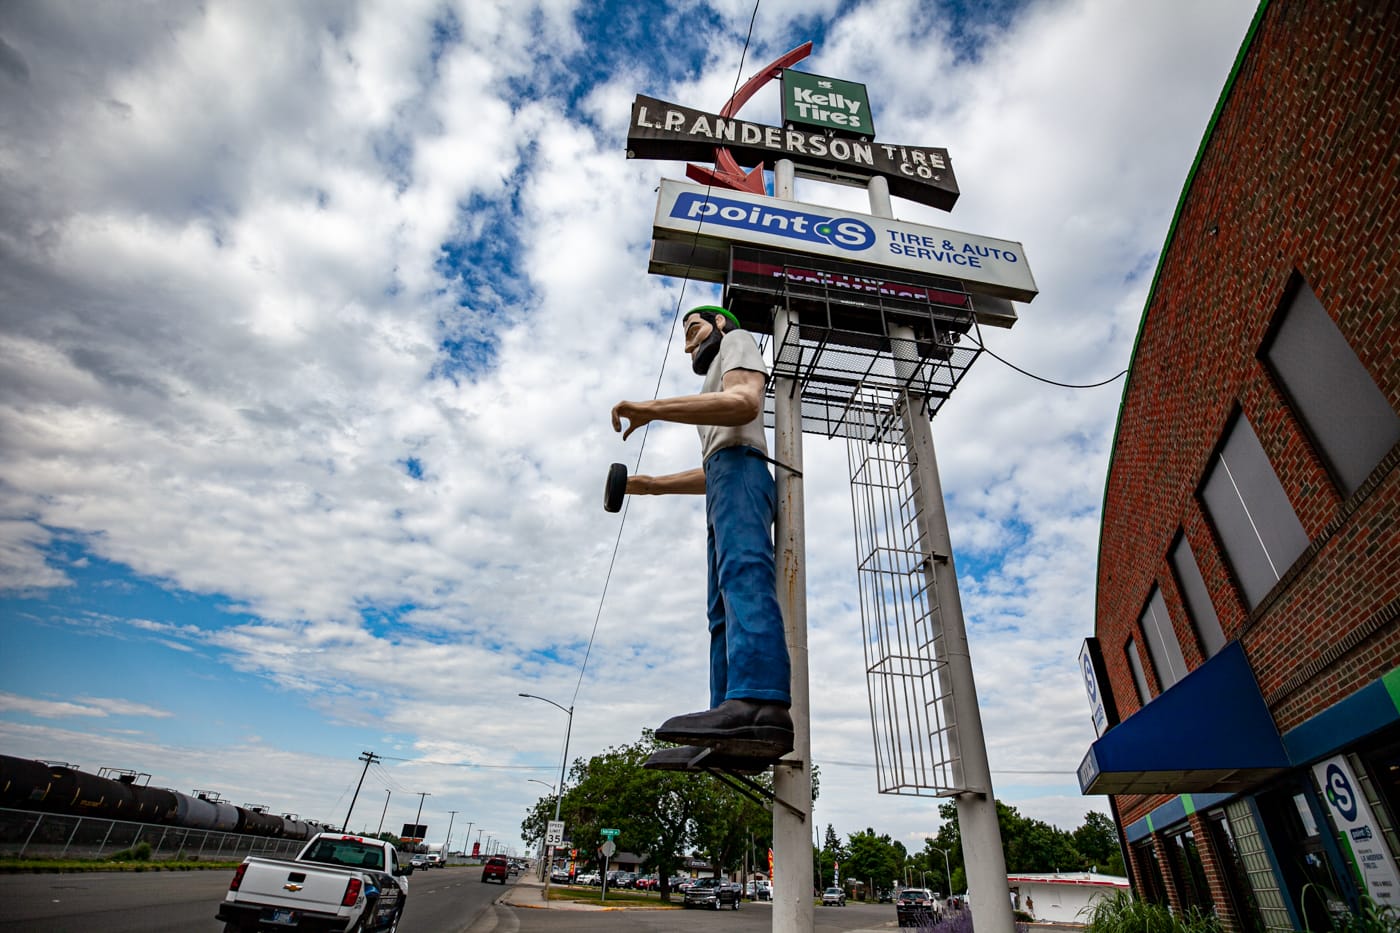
(983, 858)
(792, 845)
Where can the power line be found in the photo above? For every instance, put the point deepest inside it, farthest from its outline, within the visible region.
(1064, 385)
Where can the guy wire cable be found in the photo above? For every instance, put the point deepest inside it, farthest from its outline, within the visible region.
(646, 429)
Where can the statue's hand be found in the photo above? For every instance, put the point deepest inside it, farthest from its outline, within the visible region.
(633, 412)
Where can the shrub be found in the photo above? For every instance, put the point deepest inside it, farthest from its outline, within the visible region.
(1124, 913)
(141, 852)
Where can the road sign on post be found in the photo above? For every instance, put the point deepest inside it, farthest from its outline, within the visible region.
(610, 833)
(554, 834)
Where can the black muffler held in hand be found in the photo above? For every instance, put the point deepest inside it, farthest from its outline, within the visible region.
(615, 490)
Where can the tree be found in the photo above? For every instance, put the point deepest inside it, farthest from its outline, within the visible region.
(831, 852)
(874, 859)
(1097, 841)
(661, 815)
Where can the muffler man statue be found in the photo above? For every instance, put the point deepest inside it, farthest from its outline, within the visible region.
(748, 724)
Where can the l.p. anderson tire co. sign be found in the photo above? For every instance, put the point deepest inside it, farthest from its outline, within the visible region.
(661, 130)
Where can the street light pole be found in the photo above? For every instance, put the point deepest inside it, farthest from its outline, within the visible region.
(558, 797)
(417, 819)
(946, 867)
(446, 845)
(539, 852)
(387, 794)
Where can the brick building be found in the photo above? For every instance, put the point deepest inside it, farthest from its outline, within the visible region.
(1245, 664)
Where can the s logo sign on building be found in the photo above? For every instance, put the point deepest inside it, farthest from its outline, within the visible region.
(1358, 830)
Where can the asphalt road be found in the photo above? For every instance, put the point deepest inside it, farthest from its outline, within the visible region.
(448, 900)
(451, 900)
(750, 918)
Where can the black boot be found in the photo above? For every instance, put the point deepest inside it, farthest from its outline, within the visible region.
(751, 728)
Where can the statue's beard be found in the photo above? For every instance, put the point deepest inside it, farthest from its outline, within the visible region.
(704, 354)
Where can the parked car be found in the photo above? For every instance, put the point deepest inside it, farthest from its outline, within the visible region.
(917, 907)
(495, 869)
(588, 877)
(833, 897)
(713, 893)
(559, 876)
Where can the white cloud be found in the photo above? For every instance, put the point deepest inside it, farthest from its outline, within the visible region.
(82, 706)
(225, 300)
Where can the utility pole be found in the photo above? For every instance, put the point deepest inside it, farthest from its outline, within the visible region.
(387, 794)
(368, 758)
(448, 843)
(419, 817)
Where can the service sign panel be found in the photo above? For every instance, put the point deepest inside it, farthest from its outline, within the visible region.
(829, 104)
(719, 217)
(1360, 833)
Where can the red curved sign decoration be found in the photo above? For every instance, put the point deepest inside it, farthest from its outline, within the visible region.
(727, 172)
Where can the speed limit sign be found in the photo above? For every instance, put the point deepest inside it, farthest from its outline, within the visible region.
(554, 834)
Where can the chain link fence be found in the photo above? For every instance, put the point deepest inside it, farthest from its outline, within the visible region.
(29, 834)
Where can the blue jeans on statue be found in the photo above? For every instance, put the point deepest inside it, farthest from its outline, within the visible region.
(748, 648)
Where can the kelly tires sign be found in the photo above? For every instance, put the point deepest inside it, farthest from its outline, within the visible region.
(826, 104)
(715, 217)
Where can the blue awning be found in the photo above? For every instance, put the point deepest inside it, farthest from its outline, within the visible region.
(1211, 732)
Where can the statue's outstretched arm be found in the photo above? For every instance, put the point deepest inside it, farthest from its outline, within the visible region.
(739, 402)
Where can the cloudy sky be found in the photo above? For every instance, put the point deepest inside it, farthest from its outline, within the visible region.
(311, 316)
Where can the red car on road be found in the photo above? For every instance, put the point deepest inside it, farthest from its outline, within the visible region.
(495, 869)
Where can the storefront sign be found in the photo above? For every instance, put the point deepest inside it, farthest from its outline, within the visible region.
(1357, 827)
(1093, 686)
(720, 217)
(661, 130)
(828, 105)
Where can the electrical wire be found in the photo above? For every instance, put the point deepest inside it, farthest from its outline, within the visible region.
(1064, 385)
(656, 392)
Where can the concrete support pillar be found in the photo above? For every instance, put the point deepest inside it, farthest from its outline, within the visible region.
(792, 833)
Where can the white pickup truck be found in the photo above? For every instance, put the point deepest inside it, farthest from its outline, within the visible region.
(339, 883)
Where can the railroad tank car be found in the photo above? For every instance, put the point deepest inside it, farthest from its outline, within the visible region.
(27, 784)
(259, 823)
(295, 828)
(24, 783)
(154, 804)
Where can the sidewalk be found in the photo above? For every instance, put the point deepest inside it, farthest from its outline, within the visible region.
(528, 892)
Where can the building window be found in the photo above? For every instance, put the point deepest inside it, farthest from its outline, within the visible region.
(1152, 887)
(1251, 512)
(1162, 642)
(1347, 416)
(1139, 678)
(1197, 598)
(1192, 886)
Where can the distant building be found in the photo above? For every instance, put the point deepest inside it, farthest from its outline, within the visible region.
(1246, 660)
(1062, 897)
